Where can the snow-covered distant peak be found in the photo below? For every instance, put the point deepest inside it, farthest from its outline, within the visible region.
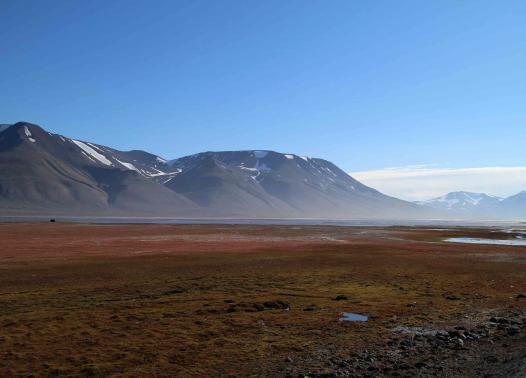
(461, 201)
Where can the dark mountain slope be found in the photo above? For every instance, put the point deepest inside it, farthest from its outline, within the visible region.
(42, 172)
(267, 182)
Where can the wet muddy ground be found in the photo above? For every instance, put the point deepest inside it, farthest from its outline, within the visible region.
(247, 300)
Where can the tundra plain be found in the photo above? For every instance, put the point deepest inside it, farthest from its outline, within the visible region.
(258, 300)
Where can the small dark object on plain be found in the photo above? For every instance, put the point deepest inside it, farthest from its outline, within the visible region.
(340, 298)
(276, 305)
(52, 220)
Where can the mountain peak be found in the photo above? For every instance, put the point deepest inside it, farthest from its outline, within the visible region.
(18, 125)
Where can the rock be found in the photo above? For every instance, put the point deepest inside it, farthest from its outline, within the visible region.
(420, 365)
(340, 298)
(453, 298)
(172, 292)
(513, 330)
(258, 307)
(491, 359)
(312, 307)
(276, 305)
(521, 296)
(88, 371)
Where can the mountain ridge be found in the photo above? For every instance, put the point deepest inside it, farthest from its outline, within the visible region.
(46, 172)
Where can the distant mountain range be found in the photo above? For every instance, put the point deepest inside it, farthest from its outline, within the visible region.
(46, 173)
(479, 205)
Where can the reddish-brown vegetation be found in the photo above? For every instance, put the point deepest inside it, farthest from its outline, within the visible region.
(205, 300)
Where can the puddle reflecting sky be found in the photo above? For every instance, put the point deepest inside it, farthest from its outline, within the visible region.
(352, 317)
(518, 241)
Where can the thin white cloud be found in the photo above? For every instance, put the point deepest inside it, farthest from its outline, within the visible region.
(420, 182)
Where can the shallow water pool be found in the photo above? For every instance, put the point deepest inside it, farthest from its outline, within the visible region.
(518, 241)
(352, 317)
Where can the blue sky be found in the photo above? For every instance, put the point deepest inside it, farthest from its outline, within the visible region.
(365, 84)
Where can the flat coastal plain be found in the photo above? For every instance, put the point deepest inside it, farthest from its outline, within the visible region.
(95, 300)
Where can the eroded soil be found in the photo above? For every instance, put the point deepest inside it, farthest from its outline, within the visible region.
(216, 300)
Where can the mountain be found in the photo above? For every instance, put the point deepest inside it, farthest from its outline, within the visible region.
(479, 205)
(42, 172)
(275, 184)
(463, 202)
(514, 207)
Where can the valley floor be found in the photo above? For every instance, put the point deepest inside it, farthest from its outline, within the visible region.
(248, 300)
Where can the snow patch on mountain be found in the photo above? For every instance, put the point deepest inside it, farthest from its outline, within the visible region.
(90, 151)
(256, 170)
(167, 177)
(130, 166)
(29, 135)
